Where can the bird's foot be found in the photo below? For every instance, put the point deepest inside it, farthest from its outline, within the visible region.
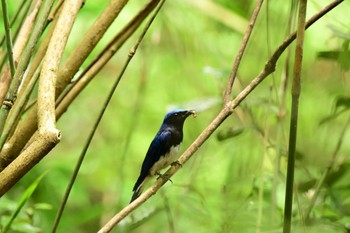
(176, 163)
(163, 176)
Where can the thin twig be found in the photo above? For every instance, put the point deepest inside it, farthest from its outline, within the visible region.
(98, 120)
(18, 11)
(15, 34)
(207, 132)
(23, 32)
(8, 38)
(17, 110)
(231, 79)
(294, 117)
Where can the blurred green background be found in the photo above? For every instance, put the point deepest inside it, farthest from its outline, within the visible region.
(232, 184)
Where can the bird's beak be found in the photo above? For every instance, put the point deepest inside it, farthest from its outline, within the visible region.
(192, 112)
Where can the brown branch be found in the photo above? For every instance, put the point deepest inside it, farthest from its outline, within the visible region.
(25, 31)
(27, 159)
(224, 113)
(231, 79)
(47, 81)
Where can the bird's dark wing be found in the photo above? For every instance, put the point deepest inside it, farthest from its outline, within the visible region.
(159, 146)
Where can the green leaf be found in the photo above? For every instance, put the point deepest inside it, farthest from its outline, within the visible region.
(27, 194)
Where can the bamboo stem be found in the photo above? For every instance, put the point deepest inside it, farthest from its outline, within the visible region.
(8, 38)
(294, 117)
(23, 63)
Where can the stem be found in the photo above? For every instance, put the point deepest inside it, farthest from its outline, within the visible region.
(239, 56)
(281, 137)
(8, 38)
(17, 110)
(294, 117)
(18, 11)
(21, 39)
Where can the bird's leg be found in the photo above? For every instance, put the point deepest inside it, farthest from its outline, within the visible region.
(163, 176)
(176, 163)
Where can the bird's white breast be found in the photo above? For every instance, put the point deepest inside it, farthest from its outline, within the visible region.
(165, 160)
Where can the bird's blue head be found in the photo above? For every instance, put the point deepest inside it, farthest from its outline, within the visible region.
(177, 117)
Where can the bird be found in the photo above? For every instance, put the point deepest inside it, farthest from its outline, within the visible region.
(163, 149)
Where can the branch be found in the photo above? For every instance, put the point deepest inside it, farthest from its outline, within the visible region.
(25, 31)
(27, 159)
(47, 81)
(17, 109)
(231, 79)
(224, 113)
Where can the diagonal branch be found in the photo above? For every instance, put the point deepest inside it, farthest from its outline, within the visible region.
(233, 74)
(224, 113)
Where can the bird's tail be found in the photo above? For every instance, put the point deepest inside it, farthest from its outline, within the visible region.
(139, 188)
(136, 193)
